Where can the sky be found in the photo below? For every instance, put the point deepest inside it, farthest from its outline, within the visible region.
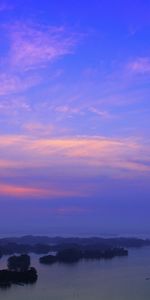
(74, 117)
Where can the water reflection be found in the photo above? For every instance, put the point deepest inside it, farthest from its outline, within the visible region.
(118, 279)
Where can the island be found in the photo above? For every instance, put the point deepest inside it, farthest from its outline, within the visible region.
(18, 271)
(73, 255)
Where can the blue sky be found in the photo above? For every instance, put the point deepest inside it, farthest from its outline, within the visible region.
(74, 117)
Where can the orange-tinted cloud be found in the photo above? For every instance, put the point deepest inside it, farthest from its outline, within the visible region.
(67, 166)
(92, 154)
(19, 191)
(35, 192)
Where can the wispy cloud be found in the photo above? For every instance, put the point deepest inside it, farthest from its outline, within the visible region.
(34, 46)
(12, 83)
(12, 106)
(33, 192)
(140, 65)
(101, 113)
(18, 191)
(38, 128)
(92, 155)
(67, 109)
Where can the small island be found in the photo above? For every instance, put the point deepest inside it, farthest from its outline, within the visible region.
(18, 272)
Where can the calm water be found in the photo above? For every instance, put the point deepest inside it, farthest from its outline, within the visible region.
(118, 279)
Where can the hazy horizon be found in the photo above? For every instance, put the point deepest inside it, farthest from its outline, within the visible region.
(81, 234)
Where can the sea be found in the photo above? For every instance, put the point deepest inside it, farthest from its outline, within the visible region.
(122, 278)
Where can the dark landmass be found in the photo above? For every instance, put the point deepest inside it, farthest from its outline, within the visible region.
(40, 240)
(48, 259)
(10, 248)
(18, 272)
(19, 263)
(7, 278)
(44, 244)
(72, 255)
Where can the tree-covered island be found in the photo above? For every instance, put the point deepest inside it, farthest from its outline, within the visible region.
(75, 254)
(18, 271)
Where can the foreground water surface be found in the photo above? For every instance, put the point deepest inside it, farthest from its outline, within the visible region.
(124, 278)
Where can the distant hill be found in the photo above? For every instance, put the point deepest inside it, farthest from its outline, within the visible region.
(45, 244)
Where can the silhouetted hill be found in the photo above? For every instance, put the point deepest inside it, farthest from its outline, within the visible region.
(44, 244)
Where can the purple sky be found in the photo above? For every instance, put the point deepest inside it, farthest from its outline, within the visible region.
(74, 117)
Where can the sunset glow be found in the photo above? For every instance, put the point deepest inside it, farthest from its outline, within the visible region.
(74, 114)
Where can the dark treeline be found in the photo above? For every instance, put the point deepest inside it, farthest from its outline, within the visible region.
(72, 255)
